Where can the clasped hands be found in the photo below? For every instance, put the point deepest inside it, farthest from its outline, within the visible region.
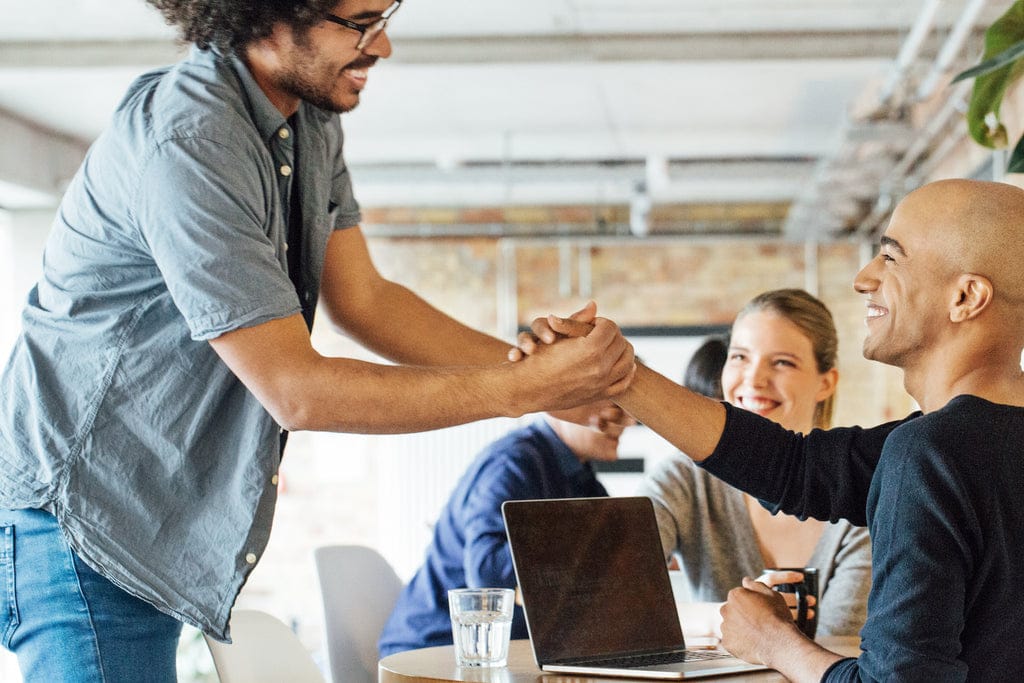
(616, 355)
(551, 328)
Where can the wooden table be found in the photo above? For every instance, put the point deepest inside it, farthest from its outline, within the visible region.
(434, 664)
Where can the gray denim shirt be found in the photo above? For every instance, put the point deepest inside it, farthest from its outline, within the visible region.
(115, 412)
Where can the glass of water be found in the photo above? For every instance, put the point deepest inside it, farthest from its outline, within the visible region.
(481, 625)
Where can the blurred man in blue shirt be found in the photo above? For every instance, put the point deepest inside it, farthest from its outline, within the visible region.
(551, 458)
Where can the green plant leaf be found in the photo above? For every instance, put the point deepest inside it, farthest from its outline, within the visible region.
(990, 65)
(1016, 163)
(1005, 33)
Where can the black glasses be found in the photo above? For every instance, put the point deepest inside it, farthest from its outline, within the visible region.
(369, 31)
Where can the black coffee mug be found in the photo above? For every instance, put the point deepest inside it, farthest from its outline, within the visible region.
(803, 589)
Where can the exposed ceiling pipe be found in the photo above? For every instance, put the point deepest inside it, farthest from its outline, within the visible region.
(811, 203)
(507, 290)
(565, 269)
(910, 49)
(883, 205)
(896, 177)
(951, 48)
(896, 181)
(584, 272)
(812, 274)
(954, 106)
(927, 167)
(640, 210)
(656, 174)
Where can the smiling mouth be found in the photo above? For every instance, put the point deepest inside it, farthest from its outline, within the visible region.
(756, 404)
(357, 76)
(875, 311)
(359, 70)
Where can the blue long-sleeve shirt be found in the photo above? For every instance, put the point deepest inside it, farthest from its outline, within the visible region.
(469, 546)
(941, 494)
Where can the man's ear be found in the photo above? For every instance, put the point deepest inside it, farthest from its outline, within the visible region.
(971, 295)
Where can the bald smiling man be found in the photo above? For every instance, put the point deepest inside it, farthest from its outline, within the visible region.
(942, 490)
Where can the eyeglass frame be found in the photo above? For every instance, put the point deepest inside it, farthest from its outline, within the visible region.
(368, 32)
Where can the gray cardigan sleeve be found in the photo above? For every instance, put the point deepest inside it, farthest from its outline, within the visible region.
(670, 490)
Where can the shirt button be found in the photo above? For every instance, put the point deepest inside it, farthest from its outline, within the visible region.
(251, 558)
(274, 480)
(286, 170)
(283, 133)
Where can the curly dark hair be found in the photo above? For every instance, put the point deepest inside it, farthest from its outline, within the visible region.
(230, 25)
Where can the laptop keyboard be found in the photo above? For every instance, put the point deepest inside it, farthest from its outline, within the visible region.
(635, 661)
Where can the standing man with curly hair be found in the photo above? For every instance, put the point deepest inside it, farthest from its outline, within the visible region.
(166, 348)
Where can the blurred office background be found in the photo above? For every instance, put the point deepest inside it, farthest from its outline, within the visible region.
(667, 158)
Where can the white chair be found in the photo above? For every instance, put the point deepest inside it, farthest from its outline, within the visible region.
(264, 650)
(359, 589)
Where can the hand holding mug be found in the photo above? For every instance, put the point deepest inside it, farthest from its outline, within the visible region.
(799, 586)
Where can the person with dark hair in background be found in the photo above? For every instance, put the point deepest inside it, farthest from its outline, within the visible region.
(166, 348)
(779, 363)
(550, 458)
(703, 373)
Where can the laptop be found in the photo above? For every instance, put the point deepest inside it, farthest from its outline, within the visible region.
(596, 591)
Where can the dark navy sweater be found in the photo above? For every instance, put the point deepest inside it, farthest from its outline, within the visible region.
(943, 497)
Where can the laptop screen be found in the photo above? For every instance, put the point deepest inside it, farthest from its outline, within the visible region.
(593, 577)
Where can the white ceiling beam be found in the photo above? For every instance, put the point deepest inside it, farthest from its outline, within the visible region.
(77, 54)
(445, 193)
(35, 164)
(587, 184)
(672, 47)
(511, 49)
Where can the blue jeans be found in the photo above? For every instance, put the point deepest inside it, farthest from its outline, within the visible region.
(67, 623)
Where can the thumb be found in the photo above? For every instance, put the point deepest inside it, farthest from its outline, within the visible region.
(585, 314)
(756, 586)
(569, 327)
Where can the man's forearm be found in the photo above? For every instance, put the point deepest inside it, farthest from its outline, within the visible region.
(304, 390)
(799, 659)
(352, 396)
(689, 421)
(411, 331)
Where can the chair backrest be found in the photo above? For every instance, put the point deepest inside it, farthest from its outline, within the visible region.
(359, 589)
(263, 650)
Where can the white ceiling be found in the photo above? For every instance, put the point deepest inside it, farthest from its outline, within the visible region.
(549, 101)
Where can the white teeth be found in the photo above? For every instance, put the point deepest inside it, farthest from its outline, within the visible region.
(754, 403)
(875, 311)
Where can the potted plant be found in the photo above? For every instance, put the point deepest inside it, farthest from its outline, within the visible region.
(1002, 64)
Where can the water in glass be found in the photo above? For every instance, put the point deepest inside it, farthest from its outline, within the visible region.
(481, 638)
